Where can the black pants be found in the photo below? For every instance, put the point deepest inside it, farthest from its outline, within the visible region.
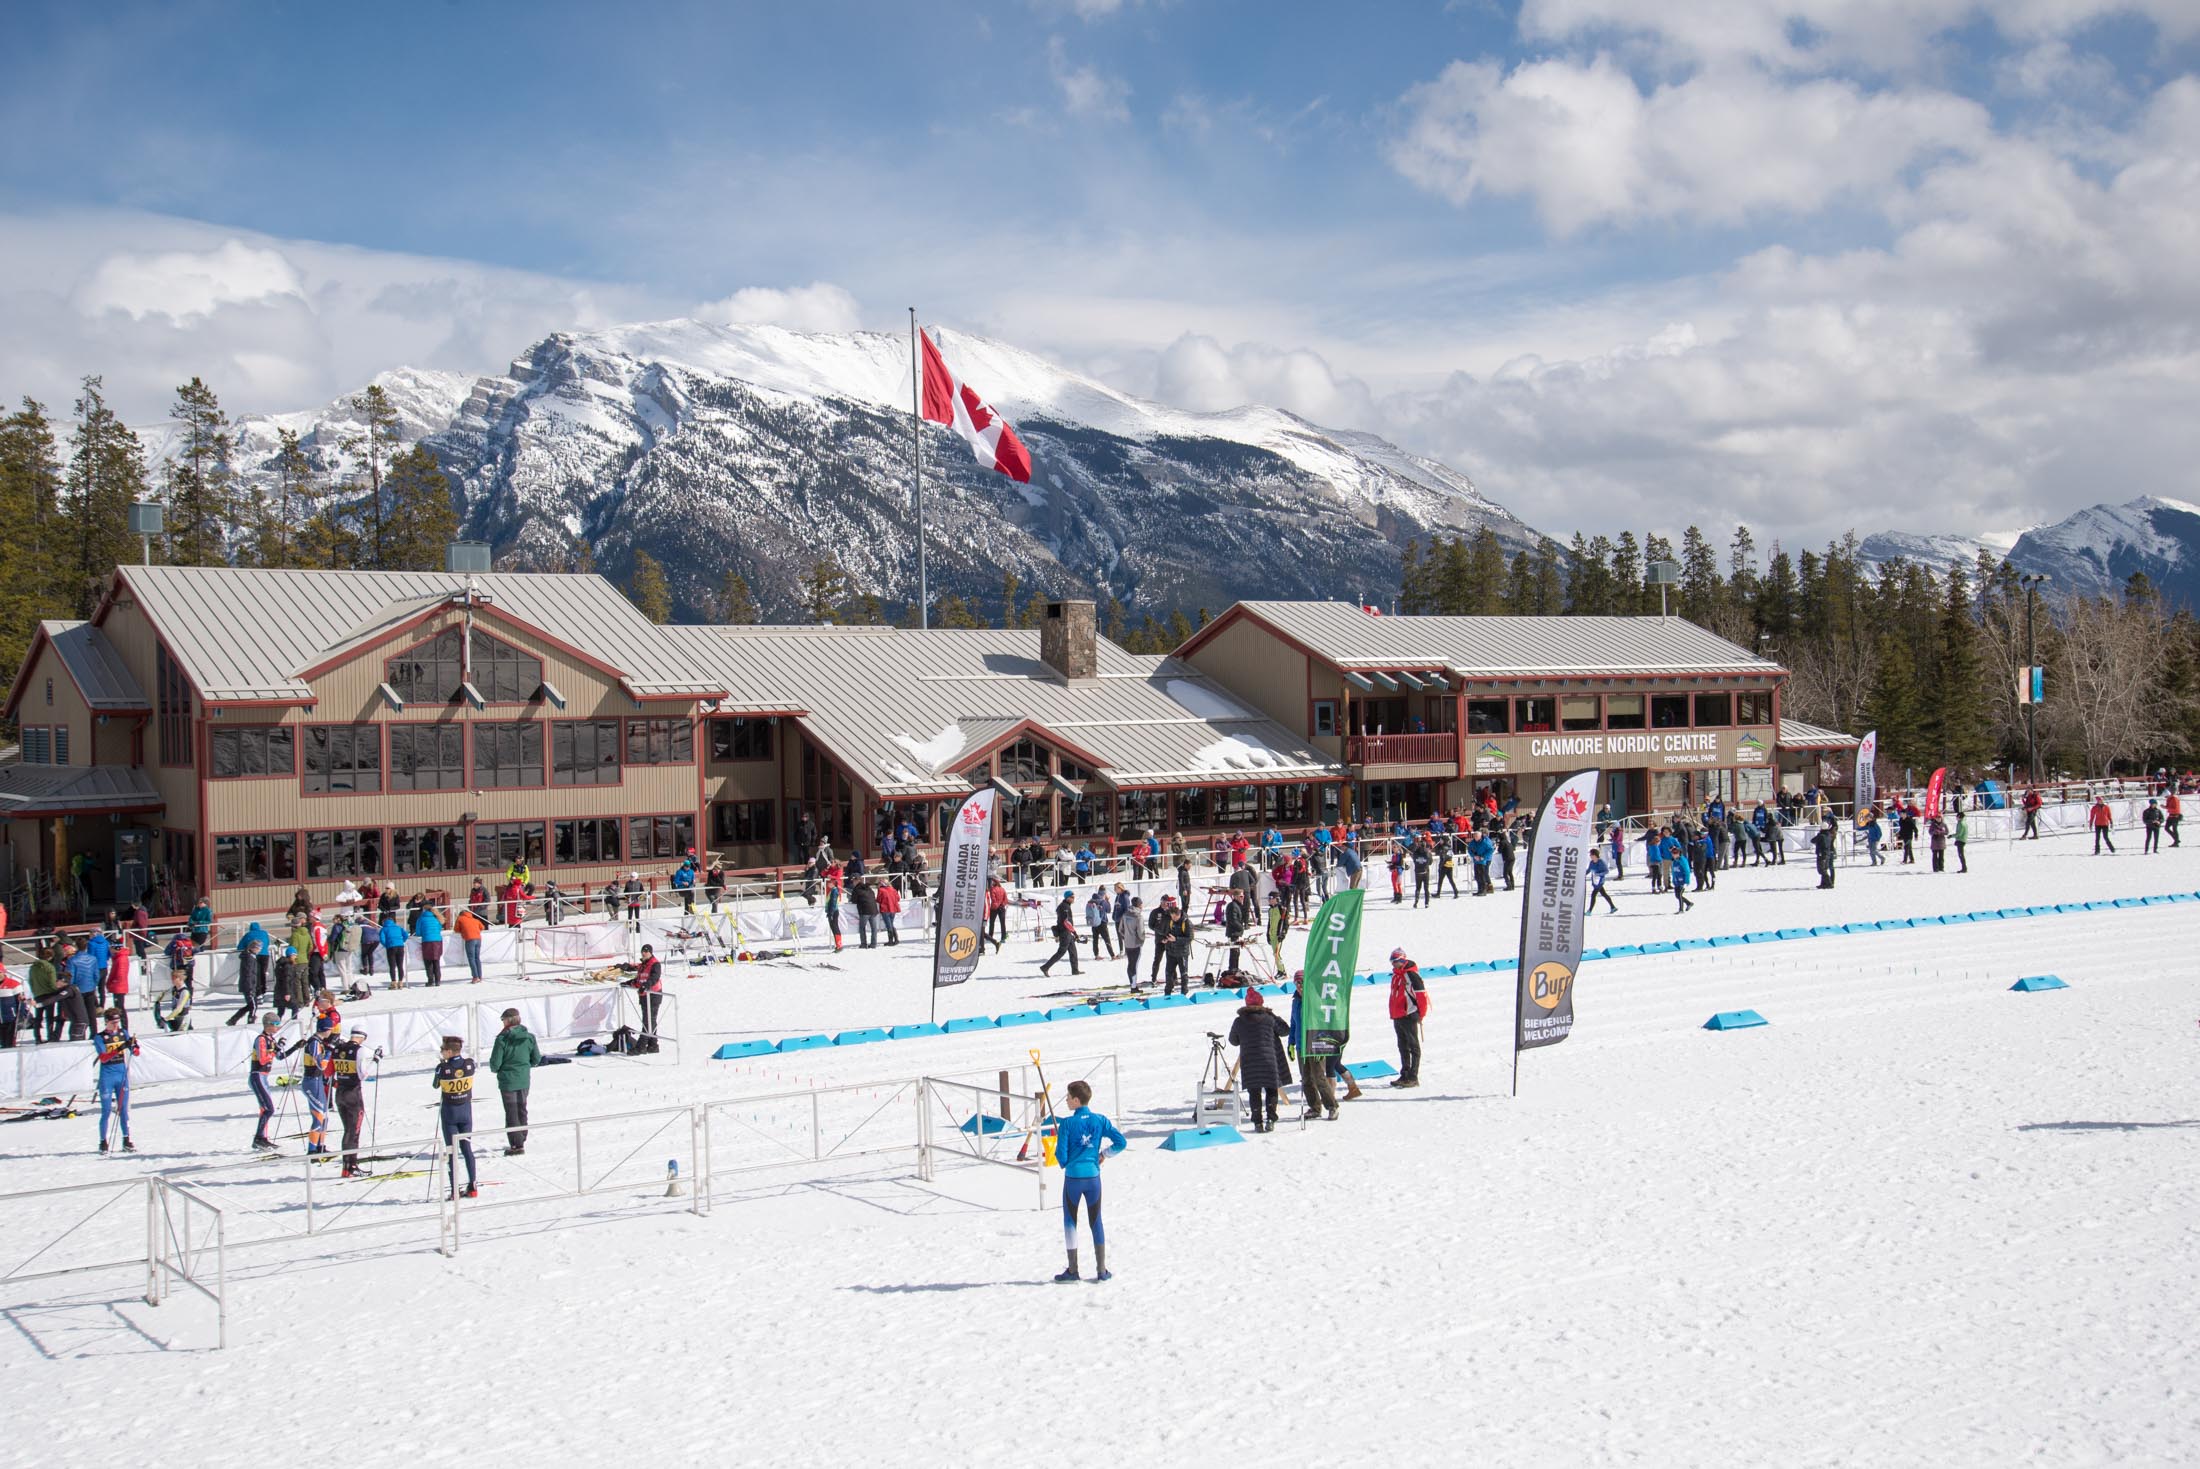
(1176, 978)
(2153, 842)
(1065, 946)
(1825, 872)
(1963, 863)
(458, 1121)
(1264, 1097)
(2171, 827)
(515, 1120)
(46, 1023)
(1448, 878)
(251, 1006)
(1130, 966)
(1940, 859)
(396, 960)
(1420, 889)
(2101, 839)
(1102, 934)
(652, 1001)
(1160, 957)
(1599, 891)
(351, 1107)
(7, 1030)
(1408, 1028)
(431, 960)
(1482, 879)
(2032, 824)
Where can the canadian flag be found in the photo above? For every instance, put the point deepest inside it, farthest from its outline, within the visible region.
(948, 400)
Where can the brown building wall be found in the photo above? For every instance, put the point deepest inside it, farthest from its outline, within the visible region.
(1272, 676)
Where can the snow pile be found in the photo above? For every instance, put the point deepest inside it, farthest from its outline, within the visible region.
(1203, 700)
(1237, 752)
(938, 750)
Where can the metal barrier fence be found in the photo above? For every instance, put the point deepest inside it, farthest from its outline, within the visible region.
(194, 1218)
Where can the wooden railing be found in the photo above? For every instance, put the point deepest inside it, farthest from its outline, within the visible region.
(1401, 749)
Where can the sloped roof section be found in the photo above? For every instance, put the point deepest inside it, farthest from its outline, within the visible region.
(1796, 735)
(908, 711)
(1504, 647)
(66, 790)
(94, 667)
(245, 634)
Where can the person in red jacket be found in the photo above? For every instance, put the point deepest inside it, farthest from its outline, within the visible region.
(996, 912)
(648, 985)
(2032, 804)
(2103, 818)
(889, 908)
(1408, 1008)
(2174, 810)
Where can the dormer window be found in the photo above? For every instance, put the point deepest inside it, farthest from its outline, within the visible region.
(432, 672)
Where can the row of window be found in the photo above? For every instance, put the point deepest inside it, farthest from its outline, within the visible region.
(347, 759)
(1544, 713)
(245, 857)
(44, 744)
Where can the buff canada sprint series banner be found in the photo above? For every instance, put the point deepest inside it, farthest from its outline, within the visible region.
(962, 891)
(1552, 911)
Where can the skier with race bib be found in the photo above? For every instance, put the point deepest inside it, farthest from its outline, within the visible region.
(113, 1049)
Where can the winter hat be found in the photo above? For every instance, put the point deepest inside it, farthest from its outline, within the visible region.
(360, 1031)
(1253, 998)
(1396, 955)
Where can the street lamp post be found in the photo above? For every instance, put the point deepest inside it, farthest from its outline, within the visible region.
(2031, 584)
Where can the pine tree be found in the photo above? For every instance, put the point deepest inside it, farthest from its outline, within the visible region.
(649, 590)
(106, 475)
(1519, 586)
(419, 522)
(296, 504)
(865, 610)
(1550, 579)
(736, 605)
(1958, 704)
(30, 530)
(375, 442)
(1774, 608)
(956, 613)
(823, 586)
(1180, 633)
(1009, 586)
(1627, 574)
(1111, 621)
(202, 496)
(1482, 591)
(1892, 708)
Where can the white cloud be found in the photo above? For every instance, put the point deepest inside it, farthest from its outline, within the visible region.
(817, 307)
(1589, 147)
(1085, 92)
(1199, 373)
(183, 285)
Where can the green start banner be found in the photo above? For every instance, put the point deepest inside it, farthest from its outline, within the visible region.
(1325, 997)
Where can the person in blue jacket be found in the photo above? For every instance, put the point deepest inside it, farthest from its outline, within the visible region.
(1677, 864)
(84, 972)
(393, 950)
(428, 928)
(1080, 1147)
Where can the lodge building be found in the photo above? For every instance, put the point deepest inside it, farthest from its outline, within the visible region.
(246, 732)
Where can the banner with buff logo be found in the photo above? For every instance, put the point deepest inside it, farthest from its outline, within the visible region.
(962, 891)
(1551, 913)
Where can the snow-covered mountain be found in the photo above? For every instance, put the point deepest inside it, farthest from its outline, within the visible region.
(757, 449)
(2094, 551)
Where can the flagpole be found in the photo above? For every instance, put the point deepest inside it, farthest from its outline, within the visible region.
(916, 446)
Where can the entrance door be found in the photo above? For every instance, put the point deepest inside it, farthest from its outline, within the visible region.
(133, 864)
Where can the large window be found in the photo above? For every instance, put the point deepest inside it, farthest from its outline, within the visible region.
(740, 823)
(1137, 810)
(427, 757)
(1754, 707)
(1752, 785)
(1577, 711)
(342, 759)
(427, 849)
(1623, 711)
(251, 750)
(508, 754)
(1289, 805)
(659, 836)
(741, 739)
(1488, 716)
(1087, 815)
(589, 839)
(430, 672)
(1669, 711)
(1192, 808)
(256, 857)
(584, 752)
(1668, 789)
(1024, 763)
(659, 742)
(174, 692)
(498, 844)
(1714, 711)
(344, 853)
(1237, 806)
(1535, 715)
(829, 801)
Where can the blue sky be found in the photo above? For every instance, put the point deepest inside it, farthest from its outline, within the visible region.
(1810, 263)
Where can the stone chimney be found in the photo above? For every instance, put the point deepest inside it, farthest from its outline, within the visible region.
(1069, 640)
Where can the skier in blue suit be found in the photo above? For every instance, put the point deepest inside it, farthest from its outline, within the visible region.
(1080, 1147)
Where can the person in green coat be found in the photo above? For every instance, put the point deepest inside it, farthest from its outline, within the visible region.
(513, 1058)
(45, 981)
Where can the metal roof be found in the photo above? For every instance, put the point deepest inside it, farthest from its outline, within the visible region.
(95, 667)
(1505, 647)
(1794, 734)
(908, 710)
(246, 634)
(61, 790)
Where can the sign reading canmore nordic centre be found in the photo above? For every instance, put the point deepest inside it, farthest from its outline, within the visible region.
(1664, 749)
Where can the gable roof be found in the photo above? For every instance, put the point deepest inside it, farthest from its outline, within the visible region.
(908, 711)
(1794, 734)
(248, 635)
(91, 663)
(1497, 647)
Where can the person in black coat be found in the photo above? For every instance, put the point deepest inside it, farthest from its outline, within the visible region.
(1258, 1034)
(1065, 935)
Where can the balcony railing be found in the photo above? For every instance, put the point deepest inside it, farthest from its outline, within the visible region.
(1402, 749)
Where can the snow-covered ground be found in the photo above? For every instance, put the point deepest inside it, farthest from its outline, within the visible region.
(1917, 1219)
